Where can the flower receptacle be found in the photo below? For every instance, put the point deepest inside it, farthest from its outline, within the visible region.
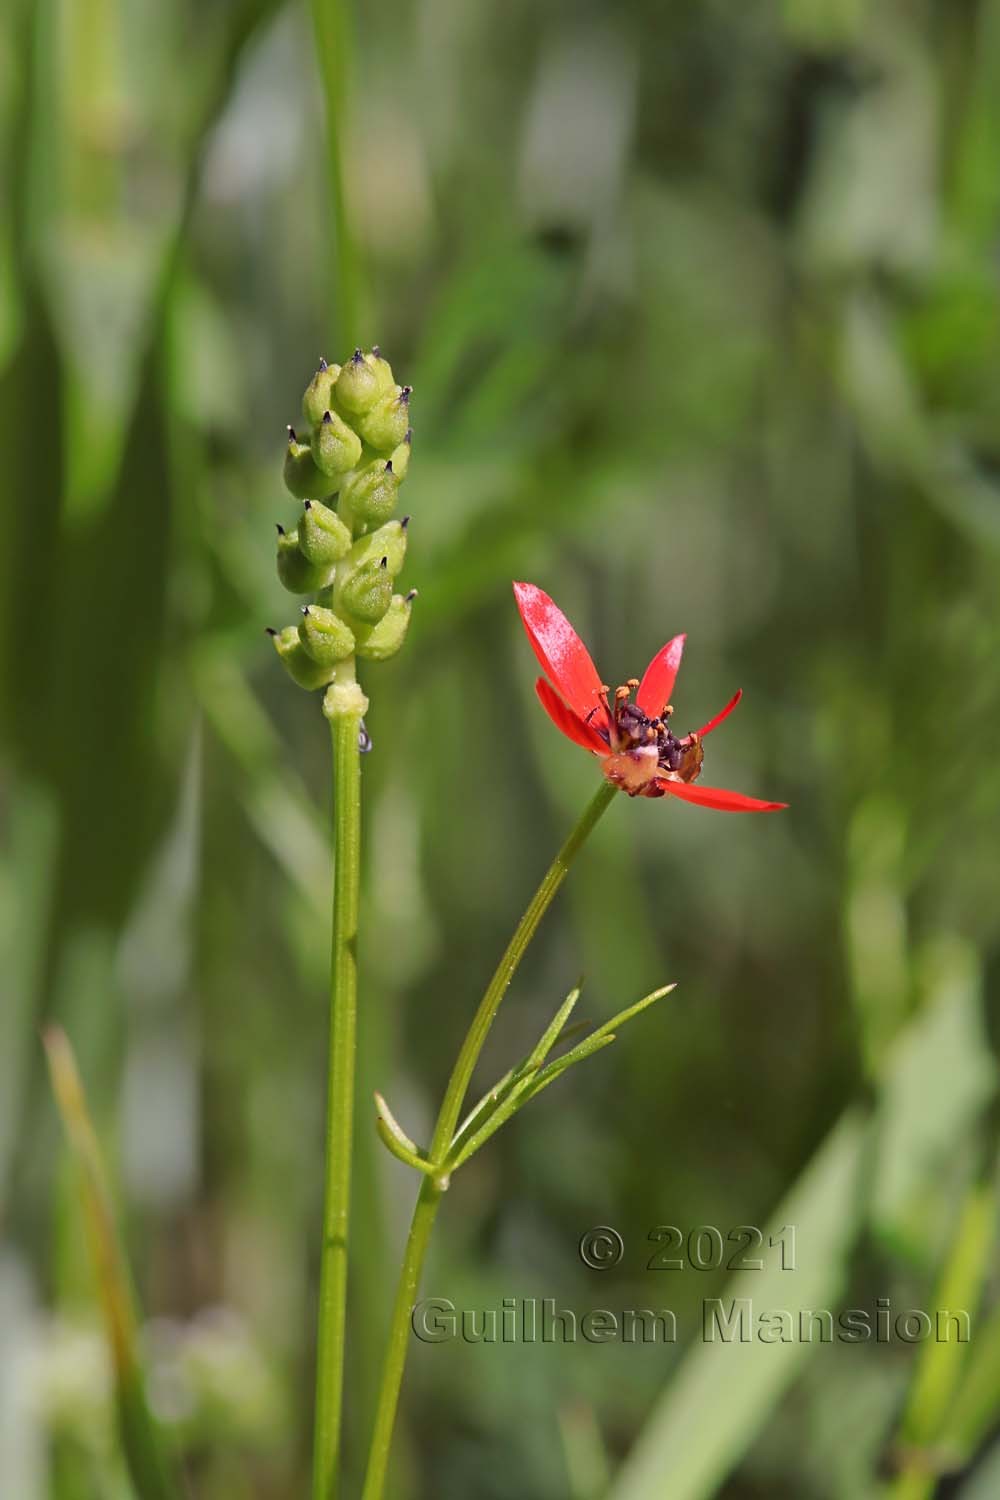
(345, 700)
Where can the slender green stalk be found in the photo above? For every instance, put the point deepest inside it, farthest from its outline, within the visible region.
(461, 1077)
(345, 729)
(407, 1287)
(332, 28)
(432, 1188)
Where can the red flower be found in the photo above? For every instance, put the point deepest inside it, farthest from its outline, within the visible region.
(641, 754)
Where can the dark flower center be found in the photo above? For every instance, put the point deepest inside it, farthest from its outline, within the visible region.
(624, 727)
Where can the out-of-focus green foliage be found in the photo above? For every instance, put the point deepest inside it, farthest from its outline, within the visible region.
(700, 305)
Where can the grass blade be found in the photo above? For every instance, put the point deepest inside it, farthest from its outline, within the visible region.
(723, 1392)
(941, 1362)
(147, 1464)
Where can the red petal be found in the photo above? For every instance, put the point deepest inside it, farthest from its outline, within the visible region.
(713, 796)
(563, 656)
(722, 714)
(658, 680)
(565, 719)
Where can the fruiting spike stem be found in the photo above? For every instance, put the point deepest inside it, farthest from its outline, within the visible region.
(344, 706)
(345, 731)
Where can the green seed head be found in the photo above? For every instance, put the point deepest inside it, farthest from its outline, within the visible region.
(297, 663)
(400, 457)
(385, 425)
(382, 370)
(324, 636)
(301, 474)
(335, 446)
(389, 541)
(347, 548)
(297, 573)
(319, 393)
(358, 384)
(378, 642)
(323, 537)
(369, 494)
(367, 594)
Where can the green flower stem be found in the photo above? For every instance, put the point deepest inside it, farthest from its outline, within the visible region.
(345, 724)
(407, 1287)
(432, 1188)
(461, 1077)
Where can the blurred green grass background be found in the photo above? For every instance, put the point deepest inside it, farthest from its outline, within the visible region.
(700, 304)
